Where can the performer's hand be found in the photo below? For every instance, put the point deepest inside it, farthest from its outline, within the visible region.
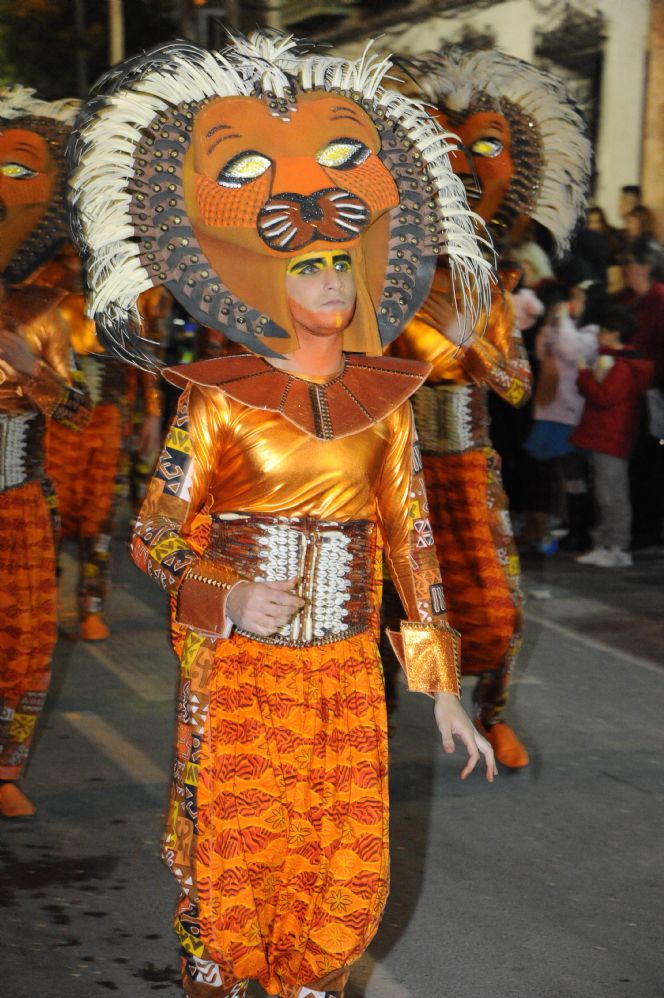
(452, 722)
(149, 437)
(16, 356)
(263, 607)
(442, 314)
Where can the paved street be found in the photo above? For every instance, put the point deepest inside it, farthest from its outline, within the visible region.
(547, 884)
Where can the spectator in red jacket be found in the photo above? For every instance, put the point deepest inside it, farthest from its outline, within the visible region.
(613, 390)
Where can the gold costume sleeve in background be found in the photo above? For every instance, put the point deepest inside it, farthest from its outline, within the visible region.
(175, 495)
(427, 647)
(154, 306)
(147, 385)
(57, 388)
(496, 359)
(152, 394)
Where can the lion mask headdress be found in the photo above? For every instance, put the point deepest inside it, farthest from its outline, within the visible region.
(526, 136)
(33, 212)
(209, 171)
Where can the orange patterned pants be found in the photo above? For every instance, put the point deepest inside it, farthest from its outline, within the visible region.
(278, 826)
(86, 469)
(27, 620)
(480, 568)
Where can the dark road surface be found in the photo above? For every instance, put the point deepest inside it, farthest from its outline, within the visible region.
(547, 884)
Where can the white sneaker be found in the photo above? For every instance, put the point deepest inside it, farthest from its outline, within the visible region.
(621, 559)
(614, 558)
(594, 557)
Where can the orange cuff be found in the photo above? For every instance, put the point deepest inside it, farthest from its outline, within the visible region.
(45, 389)
(201, 597)
(479, 359)
(429, 655)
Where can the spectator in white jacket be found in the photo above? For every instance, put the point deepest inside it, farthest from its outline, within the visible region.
(568, 336)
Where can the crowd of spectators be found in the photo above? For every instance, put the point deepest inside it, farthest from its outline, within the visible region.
(583, 463)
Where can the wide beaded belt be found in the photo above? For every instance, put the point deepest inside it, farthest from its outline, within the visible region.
(451, 419)
(332, 561)
(21, 449)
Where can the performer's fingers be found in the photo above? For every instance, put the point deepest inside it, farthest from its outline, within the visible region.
(467, 736)
(446, 735)
(489, 757)
(263, 630)
(473, 759)
(282, 614)
(282, 594)
(285, 600)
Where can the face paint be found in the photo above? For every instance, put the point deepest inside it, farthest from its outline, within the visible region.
(321, 291)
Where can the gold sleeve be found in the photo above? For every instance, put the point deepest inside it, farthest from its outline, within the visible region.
(58, 387)
(176, 494)
(427, 647)
(422, 341)
(498, 359)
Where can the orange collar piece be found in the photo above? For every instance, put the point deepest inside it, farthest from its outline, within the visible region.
(366, 391)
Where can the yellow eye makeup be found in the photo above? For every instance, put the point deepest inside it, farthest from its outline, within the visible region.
(342, 154)
(16, 171)
(313, 263)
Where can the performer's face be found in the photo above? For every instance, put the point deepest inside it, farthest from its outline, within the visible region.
(321, 291)
(27, 178)
(484, 163)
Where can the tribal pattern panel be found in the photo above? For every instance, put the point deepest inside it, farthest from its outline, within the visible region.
(424, 559)
(88, 471)
(107, 379)
(157, 547)
(27, 621)
(277, 827)
(73, 409)
(478, 558)
(505, 370)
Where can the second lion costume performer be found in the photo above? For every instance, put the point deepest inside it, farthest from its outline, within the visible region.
(291, 201)
(37, 381)
(523, 153)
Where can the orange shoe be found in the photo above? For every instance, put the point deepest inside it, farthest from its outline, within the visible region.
(14, 803)
(508, 749)
(93, 628)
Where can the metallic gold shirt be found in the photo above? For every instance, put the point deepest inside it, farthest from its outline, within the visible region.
(223, 456)
(34, 315)
(496, 360)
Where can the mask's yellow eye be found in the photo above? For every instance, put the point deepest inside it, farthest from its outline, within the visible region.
(487, 148)
(343, 154)
(343, 266)
(16, 171)
(243, 168)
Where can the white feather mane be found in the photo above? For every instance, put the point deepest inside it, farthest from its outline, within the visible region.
(455, 78)
(20, 102)
(108, 142)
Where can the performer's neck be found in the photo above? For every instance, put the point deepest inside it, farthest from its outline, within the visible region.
(317, 355)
